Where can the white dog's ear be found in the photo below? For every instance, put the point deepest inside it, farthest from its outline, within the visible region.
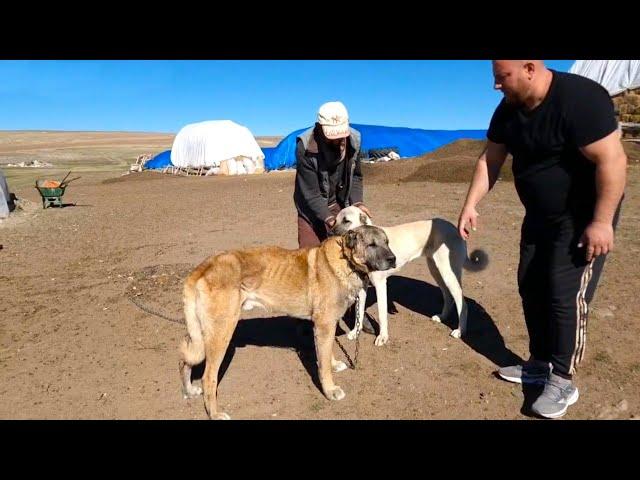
(364, 219)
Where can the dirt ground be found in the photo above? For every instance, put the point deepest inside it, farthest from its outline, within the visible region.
(73, 346)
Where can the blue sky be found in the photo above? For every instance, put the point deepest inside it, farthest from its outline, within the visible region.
(268, 97)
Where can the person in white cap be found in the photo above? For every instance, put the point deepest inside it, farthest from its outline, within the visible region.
(328, 178)
(328, 174)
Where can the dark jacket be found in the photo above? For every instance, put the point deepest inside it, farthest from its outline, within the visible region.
(313, 161)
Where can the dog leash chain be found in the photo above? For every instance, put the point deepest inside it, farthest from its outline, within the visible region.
(137, 303)
(352, 367)
(359, 320)
(358, 328)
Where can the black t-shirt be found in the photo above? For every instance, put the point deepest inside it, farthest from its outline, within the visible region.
(552, 177)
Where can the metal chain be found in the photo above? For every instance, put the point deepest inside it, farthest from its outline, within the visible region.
(358, 325)
(141, 306)
(181, 321)
(352, 366)
(358, 328)
(359, 320)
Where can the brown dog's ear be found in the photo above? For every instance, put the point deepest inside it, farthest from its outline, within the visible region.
(351, 239)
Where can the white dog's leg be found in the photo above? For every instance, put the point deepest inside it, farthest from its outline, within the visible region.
(446, 296)
(379, 281)
(362, 303)
(452, 281)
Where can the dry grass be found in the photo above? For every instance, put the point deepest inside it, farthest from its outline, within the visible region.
(88, 153)
(80, 152)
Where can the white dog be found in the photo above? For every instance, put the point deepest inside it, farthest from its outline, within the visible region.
(446, 252)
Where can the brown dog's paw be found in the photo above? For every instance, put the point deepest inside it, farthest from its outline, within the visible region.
(336, 393)
(192, 391)
(339, 366)
(220, 416)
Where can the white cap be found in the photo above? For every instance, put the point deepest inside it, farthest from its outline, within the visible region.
(334, 119)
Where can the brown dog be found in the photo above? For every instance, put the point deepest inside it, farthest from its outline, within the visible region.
(317, 284)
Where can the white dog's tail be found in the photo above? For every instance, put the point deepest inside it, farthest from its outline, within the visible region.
(476, 261)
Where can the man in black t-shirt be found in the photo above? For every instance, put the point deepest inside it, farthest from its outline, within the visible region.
(569, 171)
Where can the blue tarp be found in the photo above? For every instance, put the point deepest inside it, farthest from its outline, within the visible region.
(159, 161)
(410, 142)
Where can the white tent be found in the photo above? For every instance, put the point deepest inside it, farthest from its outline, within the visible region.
(4, 197)
(228, 147)
(614, 75)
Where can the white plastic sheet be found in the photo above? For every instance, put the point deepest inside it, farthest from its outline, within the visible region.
(614, 75)
(207, 144)
(4, 196)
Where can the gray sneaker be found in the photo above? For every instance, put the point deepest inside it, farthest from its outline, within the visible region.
(530, 372)
(556, 397)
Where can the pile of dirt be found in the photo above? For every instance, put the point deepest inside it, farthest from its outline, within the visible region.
(459, 148)
(454, 170)
(455, 163)
(452, 163)
(389, 172)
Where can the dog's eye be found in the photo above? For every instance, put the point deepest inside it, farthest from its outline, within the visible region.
(346, 221)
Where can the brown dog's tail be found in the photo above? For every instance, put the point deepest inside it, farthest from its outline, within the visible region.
(192, 346)
(477, 261)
